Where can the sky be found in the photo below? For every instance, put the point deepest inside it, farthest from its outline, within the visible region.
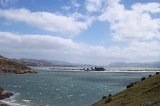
(81, 31)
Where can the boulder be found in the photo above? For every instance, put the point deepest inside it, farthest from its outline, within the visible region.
(5, 94)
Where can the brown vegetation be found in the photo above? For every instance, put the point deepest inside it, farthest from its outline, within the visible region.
(10, 66)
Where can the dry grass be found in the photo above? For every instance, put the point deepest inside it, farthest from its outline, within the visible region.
(144, 93)
(9, 66)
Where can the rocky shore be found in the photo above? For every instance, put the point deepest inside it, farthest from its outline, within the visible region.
(9, 66)
(3, 95)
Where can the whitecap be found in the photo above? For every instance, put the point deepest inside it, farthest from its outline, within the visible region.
(12, 101)
(82, 94)
(27, 101)
(69, 96)
(17, 86)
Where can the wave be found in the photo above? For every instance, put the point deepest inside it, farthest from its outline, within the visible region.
(12, 101)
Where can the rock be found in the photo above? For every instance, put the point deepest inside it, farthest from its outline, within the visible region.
(5, 94)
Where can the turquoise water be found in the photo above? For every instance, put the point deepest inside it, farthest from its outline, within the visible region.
(65, 88)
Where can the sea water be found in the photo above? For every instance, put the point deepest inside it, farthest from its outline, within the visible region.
(62, 88)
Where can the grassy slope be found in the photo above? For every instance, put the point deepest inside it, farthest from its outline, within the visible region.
(9, 66)
(145, 93)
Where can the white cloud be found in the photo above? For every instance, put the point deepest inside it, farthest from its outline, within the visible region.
(93, 5)
(134, 24)
(58, 23)
(57, 48)
(148, 7)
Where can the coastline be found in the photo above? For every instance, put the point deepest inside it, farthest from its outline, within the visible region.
(79, 70)
(111, 69)
(85, 78)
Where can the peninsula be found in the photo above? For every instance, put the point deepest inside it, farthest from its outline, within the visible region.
(9, 66)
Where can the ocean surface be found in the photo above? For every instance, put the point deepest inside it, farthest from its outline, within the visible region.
(61, 88)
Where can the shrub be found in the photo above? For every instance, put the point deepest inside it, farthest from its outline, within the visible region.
(157, 73)
(143, 78)
(150, 75)
(130, 85)
(104, 97)
(135, 83)
(110, 95)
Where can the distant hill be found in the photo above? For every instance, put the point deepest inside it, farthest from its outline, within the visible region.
(10, 66)
(36, 62)
(60, 63)
(138, 65)
(143, 93)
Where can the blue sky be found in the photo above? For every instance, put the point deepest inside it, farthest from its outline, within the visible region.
(81, 31)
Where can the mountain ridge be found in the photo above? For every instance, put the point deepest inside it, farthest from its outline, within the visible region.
(138, 65)
(47, 63)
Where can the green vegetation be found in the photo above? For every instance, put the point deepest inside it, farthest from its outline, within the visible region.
(143, 93)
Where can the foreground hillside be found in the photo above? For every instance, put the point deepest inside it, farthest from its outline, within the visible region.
(143, 93)
(10, 66)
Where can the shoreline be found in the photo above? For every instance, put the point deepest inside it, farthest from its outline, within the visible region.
(99, 71)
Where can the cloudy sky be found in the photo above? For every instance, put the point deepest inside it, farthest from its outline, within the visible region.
(81, 31)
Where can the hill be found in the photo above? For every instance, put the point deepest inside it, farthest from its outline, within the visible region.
(48, 63)
(36, 62)
(137, 65)
(10, 66)
(143, 93)
(33, 62)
